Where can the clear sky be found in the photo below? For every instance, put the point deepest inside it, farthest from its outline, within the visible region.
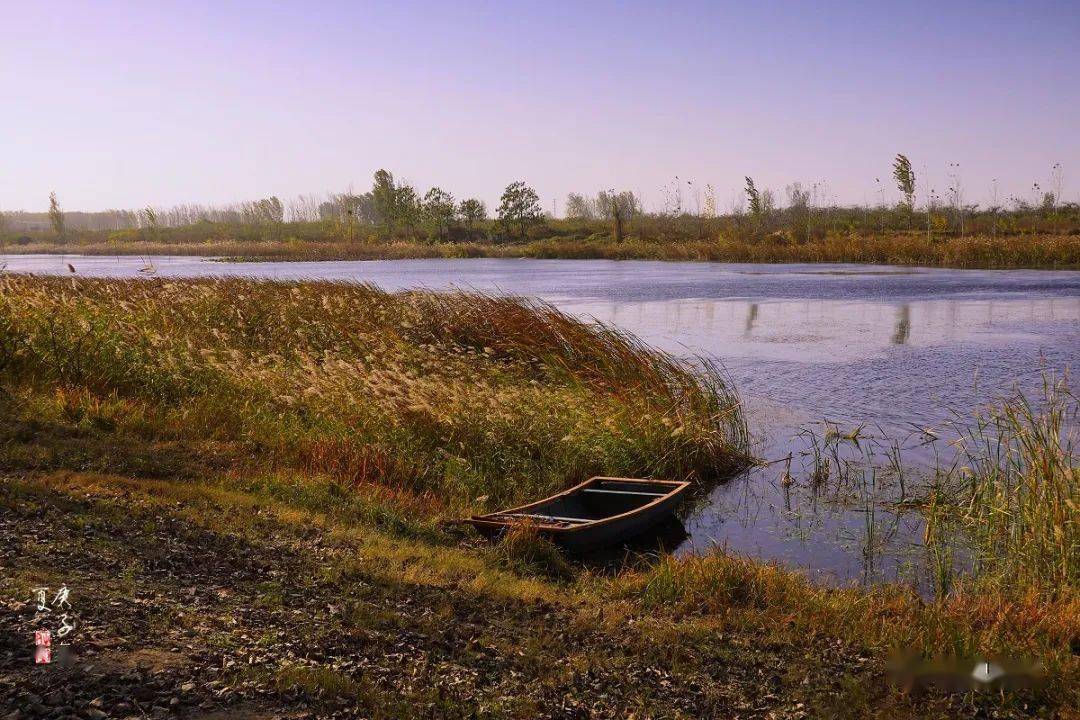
(125, 104)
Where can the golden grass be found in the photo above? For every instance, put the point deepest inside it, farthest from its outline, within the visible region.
(367, 415)
(451, 396)
(673, 607)
(1032, 250)
(1020, 488)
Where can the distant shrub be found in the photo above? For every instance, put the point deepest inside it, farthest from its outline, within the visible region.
(124, 236)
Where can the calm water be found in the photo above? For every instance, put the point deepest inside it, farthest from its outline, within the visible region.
(894, 347)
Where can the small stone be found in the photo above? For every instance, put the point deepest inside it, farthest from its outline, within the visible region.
(187, 687)
(95, 714)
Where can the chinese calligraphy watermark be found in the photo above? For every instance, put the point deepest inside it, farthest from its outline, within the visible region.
(59, 622)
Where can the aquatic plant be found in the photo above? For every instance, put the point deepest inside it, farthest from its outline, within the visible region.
(1020, 485)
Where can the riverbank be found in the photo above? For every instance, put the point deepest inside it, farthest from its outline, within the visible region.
(197, 598)
(1039, 251)
(245, 485)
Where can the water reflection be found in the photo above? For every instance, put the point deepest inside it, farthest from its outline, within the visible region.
(899, 366)
(903, 325)
(818, 330)
(751, 316)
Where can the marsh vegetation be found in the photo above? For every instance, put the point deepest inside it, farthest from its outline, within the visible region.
(395, 220)
(257, 412)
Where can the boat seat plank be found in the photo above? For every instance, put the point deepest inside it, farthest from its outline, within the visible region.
(624, 492)
(537, 516)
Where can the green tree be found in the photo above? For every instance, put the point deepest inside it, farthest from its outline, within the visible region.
(753, 198)
(519, 207)
(384, 196)
(150, 223)
(439, 211)
(905, 180)
(407, 206)
(472, 211)
(56, 217)
(761, 204)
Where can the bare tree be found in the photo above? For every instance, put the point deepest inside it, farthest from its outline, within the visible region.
(617, 207)
(709, 210)
(799, 211)
(579, 207)
(1057, 182)
(956, 193)
(304, 208)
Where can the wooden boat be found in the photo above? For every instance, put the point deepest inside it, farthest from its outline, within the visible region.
(600, 511)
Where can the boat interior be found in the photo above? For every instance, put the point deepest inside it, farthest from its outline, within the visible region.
(599, 500)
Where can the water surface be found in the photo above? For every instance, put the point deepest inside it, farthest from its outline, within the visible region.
(891, 347)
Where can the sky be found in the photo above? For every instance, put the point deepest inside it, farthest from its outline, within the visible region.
(129, 104)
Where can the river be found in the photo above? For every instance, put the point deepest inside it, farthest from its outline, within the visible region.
(894, 349)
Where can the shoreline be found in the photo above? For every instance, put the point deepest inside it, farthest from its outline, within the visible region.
(256, 462)
(1023, 252)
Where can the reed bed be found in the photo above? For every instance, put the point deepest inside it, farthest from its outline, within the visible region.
(1018, 482)
(1032, 250)
(1010, 496)
(456, 397)
(1016, 251)
(1014, 621)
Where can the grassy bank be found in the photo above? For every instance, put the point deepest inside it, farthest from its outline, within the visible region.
(453, 396)
(998, 251)
(265, 468)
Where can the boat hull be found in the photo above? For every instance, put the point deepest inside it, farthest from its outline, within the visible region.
(658, 501)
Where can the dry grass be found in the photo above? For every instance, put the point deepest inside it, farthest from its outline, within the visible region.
(1031, 250)
(524, 550)
(1017, 251)
(366, 415)
(1013, 493)
(451, 396)
(1018, 484)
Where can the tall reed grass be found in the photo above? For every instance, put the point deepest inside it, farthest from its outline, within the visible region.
(1019, 483)
(458, 395)
(1030, 249)
(1010, 496)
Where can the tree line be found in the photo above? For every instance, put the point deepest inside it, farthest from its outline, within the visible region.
(395, 209)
